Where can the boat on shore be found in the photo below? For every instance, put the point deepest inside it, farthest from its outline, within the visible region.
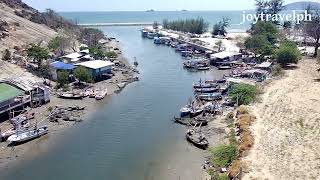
(197, 121)
(70, 95)
(101, 95)
(204, 85)
(28, 135)
(197, 139)
(224, 67)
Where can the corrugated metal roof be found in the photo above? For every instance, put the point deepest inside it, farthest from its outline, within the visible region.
(96, 64)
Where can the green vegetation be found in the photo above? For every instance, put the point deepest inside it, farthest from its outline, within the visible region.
(223, 155)
(312, 29)
(272, 7)
(220, 27)
(38, 53)
(244, 93)
(155, 25)
(196, 26)
(97, 52)
(287, 53)
(111, 54)
(44, 71)
(83, 75)
(264, 36)
(63, 78)
(58, 44)
(7, 92)
(6, 55)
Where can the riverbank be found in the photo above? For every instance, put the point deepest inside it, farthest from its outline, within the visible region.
(8, 155)
(286, 131)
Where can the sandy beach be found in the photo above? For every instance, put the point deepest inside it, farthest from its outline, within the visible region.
(287, 141)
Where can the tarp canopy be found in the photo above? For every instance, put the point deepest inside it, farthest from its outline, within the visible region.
(224, 54)
(62, 65)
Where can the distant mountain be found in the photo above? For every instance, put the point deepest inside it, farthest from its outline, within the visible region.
(302, 5)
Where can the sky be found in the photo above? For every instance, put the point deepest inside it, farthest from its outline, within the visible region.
(142, 5)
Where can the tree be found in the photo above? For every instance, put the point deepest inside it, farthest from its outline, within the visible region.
(91, 36)
(63, 78)
(196, 26)
(220, 27)
(243, 93)
(271, 7)
(59, 44)
(312, 29)
(287, 53)
(287, 25)
(6, 55)
(259, 44)
(155, 25)
(82, 74)
(38, 53)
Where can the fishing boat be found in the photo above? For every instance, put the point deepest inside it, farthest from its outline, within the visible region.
(203, 68)
(209, 96)
(70, 95)
(224, 67)
(192, 121)
(206, 90)
(121, 85)
(204, 85)
(196, 111)
(185, 111)
(218, 81)
(100, 95)
(197, 139)
(28, 135)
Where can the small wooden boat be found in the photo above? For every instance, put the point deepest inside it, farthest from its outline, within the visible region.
(224, 67)
(191, 121)
(197, 139)
(196, 111)
(100, 95)
(185, 111)
(122, 85)
(209, 96)
(204, 85)
(70, 96)
(204, 68)
(206, 90)
(28, 135)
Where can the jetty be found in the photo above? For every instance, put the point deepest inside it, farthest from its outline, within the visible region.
(117, 24)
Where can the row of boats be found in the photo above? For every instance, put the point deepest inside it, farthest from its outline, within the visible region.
(210, 97)
(91, 93)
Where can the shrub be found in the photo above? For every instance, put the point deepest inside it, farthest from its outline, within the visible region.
(63, 78)
(244, 93)
(111, 54)
(287, 53)
(277, 70)
(82, 74)
(196, 26)
(6, 55)
(223, 155)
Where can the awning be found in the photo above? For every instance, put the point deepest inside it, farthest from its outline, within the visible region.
(62, 66)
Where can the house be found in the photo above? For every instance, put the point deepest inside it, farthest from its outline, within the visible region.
(77, 56)
(57, 66)
(225, 56)
(98, 69)
(18, 93)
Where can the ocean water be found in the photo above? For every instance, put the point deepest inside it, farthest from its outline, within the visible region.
(134, 17)
(131, 135)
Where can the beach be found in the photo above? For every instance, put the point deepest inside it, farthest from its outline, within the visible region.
(286, 131)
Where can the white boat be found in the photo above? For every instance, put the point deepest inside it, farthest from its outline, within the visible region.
(121, 85)
(28, 135)
(100, 95)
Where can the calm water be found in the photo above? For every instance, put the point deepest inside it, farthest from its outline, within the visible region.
(124, 17)
(130, 136)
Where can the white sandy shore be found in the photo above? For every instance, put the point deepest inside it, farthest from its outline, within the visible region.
(287, 130)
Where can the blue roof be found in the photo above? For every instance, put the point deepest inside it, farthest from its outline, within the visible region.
(61, 65)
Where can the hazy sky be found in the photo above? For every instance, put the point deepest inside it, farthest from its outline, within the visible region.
(142, 5)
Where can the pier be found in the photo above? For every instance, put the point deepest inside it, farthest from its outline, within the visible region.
(117, 24)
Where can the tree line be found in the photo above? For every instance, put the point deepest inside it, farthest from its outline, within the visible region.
(196, 26)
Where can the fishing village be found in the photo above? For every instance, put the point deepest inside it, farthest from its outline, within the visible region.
(257, 117)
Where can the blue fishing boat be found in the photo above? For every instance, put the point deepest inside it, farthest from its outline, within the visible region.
(156, 40)
(206, 90)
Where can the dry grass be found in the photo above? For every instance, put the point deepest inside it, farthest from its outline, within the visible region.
(235, 168)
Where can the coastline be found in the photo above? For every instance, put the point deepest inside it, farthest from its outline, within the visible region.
(11, 155)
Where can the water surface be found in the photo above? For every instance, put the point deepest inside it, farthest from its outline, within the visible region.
(130, 136)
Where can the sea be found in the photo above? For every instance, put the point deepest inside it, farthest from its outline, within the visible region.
(131, 136)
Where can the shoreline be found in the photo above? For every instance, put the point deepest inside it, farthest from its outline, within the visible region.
(11, 155)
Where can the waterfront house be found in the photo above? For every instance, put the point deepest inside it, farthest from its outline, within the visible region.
(224, 56)
(57, 66)
(98, 69)
(77, 57)
(19, 93)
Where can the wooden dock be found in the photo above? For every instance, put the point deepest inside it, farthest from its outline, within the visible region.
(117, 24)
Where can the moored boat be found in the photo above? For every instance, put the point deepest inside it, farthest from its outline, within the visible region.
(70, 96)
(28, 135)
(100, 95)
(209, 96)
(197, 139)
(206, 90)
(192, 121)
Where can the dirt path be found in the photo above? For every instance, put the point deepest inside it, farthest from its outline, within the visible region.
(287, 130)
